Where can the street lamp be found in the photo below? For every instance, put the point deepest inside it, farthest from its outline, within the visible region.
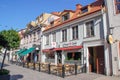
(37, 51)
(37, 48)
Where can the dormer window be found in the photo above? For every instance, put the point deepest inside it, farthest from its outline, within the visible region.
(65, 17)
(85, 9)
(117, 5)
(52, 23)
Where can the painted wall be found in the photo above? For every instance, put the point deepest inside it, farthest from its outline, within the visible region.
(114, 22)
(98, 25)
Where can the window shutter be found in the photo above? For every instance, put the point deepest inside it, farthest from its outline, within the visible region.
(71, 33)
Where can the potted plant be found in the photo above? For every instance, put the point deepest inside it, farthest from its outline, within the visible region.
(4, 74)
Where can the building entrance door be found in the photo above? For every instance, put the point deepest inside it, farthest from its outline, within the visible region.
(96, 59)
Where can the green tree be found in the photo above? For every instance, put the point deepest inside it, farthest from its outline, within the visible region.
(3, 42)
(9, 39)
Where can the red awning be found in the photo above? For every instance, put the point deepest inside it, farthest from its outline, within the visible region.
(63, 49)
(45, 50)
(48, 50)
(69, 48)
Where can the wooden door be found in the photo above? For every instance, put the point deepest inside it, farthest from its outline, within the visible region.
(100, 60)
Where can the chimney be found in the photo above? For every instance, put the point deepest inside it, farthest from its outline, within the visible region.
(78, 6)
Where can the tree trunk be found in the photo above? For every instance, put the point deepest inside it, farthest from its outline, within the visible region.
(3, 59)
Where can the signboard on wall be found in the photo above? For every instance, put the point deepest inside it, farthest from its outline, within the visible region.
(70, 44)
(53, 44)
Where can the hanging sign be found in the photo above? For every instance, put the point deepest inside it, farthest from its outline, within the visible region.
(110, 39)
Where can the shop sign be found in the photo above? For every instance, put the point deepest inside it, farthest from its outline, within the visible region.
(70, 44)
(53, 44)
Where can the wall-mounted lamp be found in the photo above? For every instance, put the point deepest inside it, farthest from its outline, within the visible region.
(37, 48)
(111, 30)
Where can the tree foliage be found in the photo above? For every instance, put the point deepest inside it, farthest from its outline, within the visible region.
(9, 39)
(3, 42)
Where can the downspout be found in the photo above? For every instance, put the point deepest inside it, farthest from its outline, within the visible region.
(108, 32)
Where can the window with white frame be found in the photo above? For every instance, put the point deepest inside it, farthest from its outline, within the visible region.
(75, 32)
(34, 36)
(117, 6)
(47, 39)
(27, 39)
(30, 38)
(54, 37)
(89, 29)
(64, 35)
(38, 35)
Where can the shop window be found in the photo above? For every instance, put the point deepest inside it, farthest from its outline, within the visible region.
(74, 56)
(89, 29)
(75, 32)
(117, 6)
(51, 56)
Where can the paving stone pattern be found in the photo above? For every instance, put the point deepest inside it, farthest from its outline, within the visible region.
(20, 73)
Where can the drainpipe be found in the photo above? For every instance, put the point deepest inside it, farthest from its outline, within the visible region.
(107, 48)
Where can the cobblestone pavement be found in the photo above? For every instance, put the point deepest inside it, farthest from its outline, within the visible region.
(20, 73)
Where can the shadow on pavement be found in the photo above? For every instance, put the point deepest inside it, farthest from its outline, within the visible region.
(4, 65)
(16, 77)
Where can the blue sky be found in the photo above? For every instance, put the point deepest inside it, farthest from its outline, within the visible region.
(17, 14)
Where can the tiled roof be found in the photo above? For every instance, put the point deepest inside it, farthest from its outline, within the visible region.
(92, 8)
(56, 13)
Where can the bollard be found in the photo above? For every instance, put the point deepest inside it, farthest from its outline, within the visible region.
(27, 64)
(49, 68)
(23, 64)
(39, 67)
(75, 69)
(63, 71)
(33, 66)
(85, 68)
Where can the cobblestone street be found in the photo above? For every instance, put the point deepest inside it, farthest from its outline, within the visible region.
(20, 73)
